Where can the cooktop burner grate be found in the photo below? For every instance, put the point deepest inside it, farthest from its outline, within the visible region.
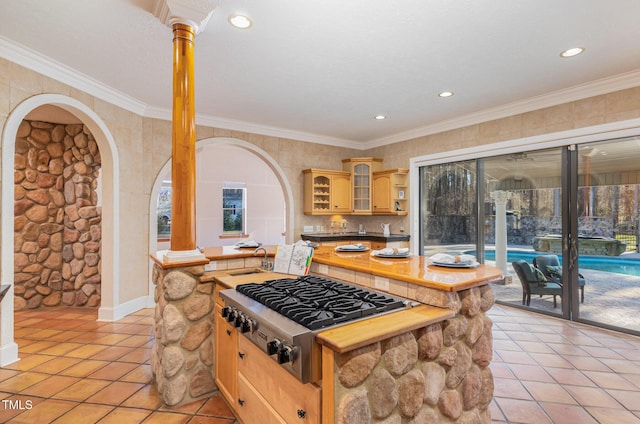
(318, 302)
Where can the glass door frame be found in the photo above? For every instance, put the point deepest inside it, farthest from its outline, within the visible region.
(570, 141)
(569, 201)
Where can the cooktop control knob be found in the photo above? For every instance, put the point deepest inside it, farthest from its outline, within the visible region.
(225, 311)
(248, 325)
(240, 318)
(231, 316)
(286, 354)
(273, 346)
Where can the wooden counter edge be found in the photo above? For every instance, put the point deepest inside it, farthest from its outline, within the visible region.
(362, 333)
(474, 282)
(171, 265)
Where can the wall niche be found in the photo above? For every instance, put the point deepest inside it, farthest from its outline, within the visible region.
(57, 227)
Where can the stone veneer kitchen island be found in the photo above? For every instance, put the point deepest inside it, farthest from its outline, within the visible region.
(182, 356)
(425, 364)
(431, 373)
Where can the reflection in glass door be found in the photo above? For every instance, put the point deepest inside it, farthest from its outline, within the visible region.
(522, 222)
(568, 216)
(608, 256)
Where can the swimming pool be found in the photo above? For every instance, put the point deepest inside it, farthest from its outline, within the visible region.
(598, 263)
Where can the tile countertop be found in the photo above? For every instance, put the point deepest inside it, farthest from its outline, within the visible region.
(413, 269)
(370, 236)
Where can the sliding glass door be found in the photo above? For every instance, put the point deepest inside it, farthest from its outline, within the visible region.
(523, 220)
(608, 265)
(561, 222)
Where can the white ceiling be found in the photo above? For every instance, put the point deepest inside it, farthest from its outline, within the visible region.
(320, 70)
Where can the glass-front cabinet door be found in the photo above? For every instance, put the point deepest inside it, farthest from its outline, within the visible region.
(361, 170)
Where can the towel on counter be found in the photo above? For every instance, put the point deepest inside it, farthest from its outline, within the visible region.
(350, 246)
(391, 251)
(248, 243)
(443, 258)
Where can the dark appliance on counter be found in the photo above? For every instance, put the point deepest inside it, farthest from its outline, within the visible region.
(283, 316)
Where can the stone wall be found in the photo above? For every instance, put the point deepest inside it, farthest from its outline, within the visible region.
(182, 356)
(57, 227)
(437, 374)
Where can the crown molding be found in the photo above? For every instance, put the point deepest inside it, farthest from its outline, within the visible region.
(276, 132)
(571, 94)
(30, 59)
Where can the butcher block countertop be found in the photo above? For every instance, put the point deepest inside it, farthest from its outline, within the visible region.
(215, 253)
(413, 269)
(352, 336)
(231, 252)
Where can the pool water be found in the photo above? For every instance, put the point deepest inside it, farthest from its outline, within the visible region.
(597, 263)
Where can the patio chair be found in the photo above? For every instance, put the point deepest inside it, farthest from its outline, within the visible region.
(534, 282)
(552, 270)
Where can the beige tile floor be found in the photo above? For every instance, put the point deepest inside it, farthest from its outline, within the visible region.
(547, 370)
(74, 369)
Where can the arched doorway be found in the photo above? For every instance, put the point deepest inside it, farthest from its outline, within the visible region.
(109, 171)
(251, 152)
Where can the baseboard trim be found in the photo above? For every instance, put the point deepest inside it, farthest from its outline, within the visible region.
(8, 354)
(122, 310)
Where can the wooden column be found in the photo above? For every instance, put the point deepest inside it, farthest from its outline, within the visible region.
(183, 157)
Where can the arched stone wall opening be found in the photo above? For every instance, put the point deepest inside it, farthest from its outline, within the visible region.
(110, 205)
(57, 217)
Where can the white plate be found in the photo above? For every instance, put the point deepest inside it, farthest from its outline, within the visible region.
(397, 255)
(352, 249)
(455, 265)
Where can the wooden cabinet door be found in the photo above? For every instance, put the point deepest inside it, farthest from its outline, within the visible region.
(280, 390)
(226, 358)
(382, 193)
(252, 408)
(341, 194)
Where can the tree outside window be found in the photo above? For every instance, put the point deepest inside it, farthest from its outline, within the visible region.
(233, 208)
(164, 210)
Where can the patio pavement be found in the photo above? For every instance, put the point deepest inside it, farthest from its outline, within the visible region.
(609, 298)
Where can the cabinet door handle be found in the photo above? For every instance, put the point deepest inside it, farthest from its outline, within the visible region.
(241, 355)
(240, 402)
(302, 413)
(228, 332)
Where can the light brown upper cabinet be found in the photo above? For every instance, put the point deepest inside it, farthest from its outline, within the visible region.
(326, 192)
(361, 170)
(391, 192)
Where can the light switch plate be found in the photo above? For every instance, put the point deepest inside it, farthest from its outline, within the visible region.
(308, 229)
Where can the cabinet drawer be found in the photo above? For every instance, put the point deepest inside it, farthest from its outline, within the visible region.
(287, 395)
(252, 408)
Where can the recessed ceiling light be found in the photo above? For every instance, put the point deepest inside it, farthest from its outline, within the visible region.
(379, 117)
(445, 94)
(572, 52)
(240, 21)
